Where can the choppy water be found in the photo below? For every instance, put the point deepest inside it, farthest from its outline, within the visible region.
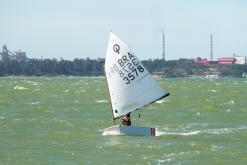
(58, 121)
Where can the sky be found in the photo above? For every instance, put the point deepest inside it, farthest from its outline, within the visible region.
(80, 29)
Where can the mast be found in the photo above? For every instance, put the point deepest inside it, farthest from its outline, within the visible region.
(109, 97)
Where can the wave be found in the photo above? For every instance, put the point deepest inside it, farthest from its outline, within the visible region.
(212, 90)
(230, 102)
(219, 131)
(191, 133)
(1, 117)
(31, 82)
(35, 103)
(176, 157)
(215, 131)
(18, 87)
(101, 101)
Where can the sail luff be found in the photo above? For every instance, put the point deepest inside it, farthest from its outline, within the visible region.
(110, 98)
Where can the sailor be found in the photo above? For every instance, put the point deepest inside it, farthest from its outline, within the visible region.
(126, 120)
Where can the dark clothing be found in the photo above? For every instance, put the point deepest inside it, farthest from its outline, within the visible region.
(126, 122)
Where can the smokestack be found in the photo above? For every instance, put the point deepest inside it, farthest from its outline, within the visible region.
(163, 46)
(211, 47)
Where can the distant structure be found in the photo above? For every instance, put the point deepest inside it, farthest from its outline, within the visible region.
(163, 46)
(236, 59)
(9, 55)
(205, 61)
(226, 60)
(240, 59)
(211, 47)
(221, 60)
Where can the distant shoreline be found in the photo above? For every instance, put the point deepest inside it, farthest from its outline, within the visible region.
(95, 68)
(103, 77)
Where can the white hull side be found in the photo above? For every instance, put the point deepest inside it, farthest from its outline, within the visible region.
(129, 131)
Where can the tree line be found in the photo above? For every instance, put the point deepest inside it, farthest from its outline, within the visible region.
(95, 67)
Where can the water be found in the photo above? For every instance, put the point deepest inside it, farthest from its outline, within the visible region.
(58, 121)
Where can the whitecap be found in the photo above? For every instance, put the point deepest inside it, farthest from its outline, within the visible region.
(20, 87)
(101, 101)
(231, 102)
(35, 103)
(215, 148)
(32, 82)
(212, 90)
(170, 157)
(1, 117)
(161, 161)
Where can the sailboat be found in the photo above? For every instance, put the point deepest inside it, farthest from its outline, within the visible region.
(130, 87)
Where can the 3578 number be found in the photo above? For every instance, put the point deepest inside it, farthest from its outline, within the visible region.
(133, 74)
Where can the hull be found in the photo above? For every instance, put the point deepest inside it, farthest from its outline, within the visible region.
(129, 131)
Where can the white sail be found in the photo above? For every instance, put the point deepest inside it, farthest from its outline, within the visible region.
(130, 84)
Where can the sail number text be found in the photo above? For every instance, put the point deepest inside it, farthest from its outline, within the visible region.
(128, 68)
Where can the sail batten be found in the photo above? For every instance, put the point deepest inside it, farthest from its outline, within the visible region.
(131, 87)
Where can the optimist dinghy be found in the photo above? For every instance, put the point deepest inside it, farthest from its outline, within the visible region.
(130, 87)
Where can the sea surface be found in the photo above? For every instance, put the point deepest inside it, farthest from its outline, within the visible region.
(47, 121)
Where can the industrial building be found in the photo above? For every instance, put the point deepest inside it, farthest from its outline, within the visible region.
(226, 60)
(205, 61)
(240, 59)
(223, 60)
(9, 55)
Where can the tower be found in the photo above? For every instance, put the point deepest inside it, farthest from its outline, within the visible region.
(211, 47)
(163, 46)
